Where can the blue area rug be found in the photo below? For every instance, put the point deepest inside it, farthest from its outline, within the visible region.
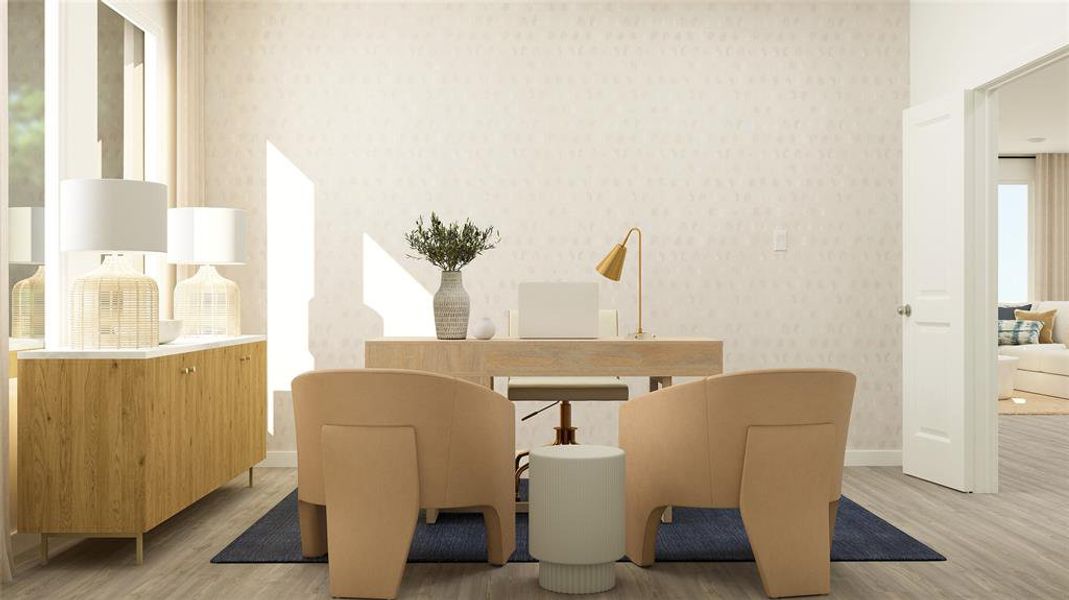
(696, 535)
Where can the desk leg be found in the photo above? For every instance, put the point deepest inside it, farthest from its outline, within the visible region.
(431, 516)
(658, 383)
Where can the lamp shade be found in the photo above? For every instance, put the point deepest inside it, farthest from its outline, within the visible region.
(26, 235)
(613, 264)
(203, 235)
(113, 215)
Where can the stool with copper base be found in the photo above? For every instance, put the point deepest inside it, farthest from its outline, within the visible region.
(566, 390)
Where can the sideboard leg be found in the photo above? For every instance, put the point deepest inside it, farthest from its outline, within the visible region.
(44, 548)
(140, 540)
(250, 476)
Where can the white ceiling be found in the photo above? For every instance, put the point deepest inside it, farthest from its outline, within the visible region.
(1036, 105)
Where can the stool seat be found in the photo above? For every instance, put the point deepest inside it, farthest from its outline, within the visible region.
(549, 389)
(577, 516)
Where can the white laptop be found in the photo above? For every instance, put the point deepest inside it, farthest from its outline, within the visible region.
(554, 309)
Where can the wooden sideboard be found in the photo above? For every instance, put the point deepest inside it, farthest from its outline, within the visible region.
(114, 444)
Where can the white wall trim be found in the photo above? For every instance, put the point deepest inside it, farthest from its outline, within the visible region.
(874, 458)
(854, 458)
(280, 458)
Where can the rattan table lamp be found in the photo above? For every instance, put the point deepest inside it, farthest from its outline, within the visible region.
(26, 246)
(207, 303)
(114, 306)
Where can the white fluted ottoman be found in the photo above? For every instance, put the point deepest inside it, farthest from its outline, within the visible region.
(576, 497)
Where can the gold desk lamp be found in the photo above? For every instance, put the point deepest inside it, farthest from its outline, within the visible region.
(613, 265)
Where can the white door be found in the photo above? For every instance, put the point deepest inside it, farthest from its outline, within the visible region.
(936, 423)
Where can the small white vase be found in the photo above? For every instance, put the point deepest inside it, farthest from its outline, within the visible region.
(484, 329)
(451, 307)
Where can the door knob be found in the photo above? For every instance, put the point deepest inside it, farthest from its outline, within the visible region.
(905, 310)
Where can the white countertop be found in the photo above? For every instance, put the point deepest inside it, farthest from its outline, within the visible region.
(179, 346)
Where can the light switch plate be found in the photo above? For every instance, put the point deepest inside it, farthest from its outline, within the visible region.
(779, 240)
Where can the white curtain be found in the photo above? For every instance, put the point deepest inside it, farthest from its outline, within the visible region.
(189, 182)
(1050, 241)
(7, 566)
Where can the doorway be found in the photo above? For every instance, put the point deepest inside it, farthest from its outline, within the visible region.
(1033, 225)
(950, 244)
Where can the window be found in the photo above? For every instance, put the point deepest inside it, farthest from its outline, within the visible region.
(1013, 242)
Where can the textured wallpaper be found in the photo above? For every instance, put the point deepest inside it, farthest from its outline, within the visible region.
(709, 126)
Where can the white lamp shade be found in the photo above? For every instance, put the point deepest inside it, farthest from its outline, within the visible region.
(113, 215)
(26, 235)
(203, 235)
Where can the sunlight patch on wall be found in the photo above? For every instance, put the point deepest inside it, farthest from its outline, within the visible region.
(405, 306)
(290, 273)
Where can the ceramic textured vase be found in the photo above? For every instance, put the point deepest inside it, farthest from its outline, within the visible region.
(451, 306)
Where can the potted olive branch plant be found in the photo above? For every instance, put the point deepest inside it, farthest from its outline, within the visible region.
(450, 248)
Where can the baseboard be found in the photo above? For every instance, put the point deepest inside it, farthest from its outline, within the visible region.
(280, 458)
(873, 458)
(854, 458)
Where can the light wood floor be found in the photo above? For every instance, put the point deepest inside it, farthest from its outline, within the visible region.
(1034, 404)
(1011, 545)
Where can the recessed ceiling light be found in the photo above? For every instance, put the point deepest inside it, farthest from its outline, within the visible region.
(1036, 140)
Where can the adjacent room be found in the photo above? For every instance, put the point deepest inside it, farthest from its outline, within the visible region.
(487, 300)
(1032, 229)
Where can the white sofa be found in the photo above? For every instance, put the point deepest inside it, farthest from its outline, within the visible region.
(1044, 368)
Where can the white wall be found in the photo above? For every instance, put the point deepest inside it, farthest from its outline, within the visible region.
(563, 125)
(958, 44)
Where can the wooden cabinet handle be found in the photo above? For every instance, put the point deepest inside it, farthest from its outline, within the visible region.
(193, 369)
(185, 370)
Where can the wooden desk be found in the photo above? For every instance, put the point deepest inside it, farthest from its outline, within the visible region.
(480, 361)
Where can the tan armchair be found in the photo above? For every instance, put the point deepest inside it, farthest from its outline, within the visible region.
(770, 443)
(374, 446)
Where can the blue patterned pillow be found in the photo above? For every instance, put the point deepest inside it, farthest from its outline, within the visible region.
(1018, 333)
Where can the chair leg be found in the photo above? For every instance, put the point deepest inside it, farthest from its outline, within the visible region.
(313, 520)
(565, 433)
(518, 471)
(500, 523)
(519, 475)
(642, 523)
(371, 481)
(833, 513)
(786, 480)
